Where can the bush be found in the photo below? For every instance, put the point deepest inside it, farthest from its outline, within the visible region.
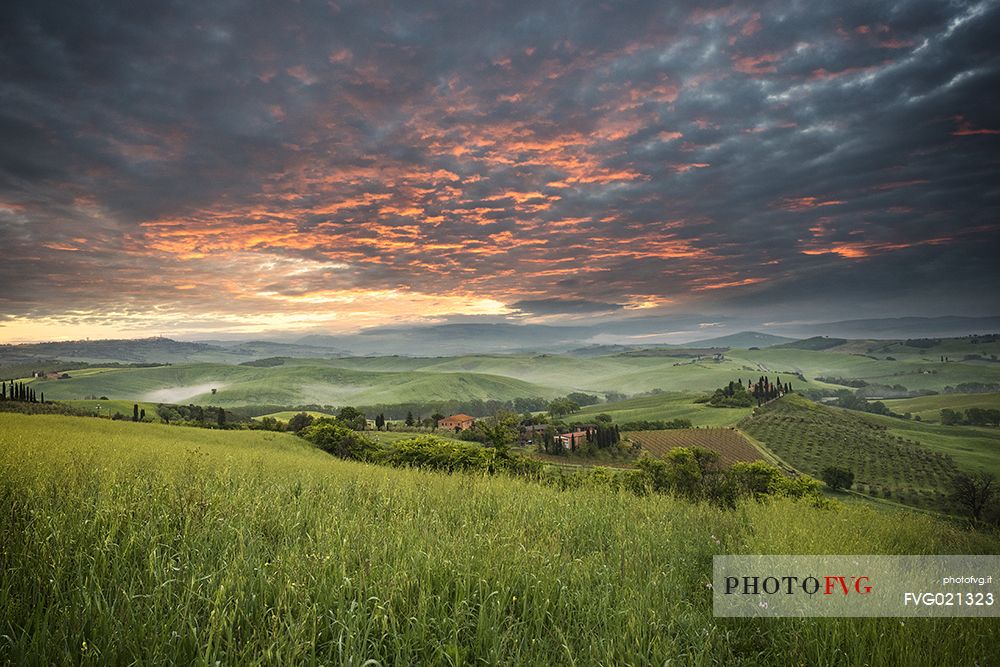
(428, 451)
(837, 478)
(335, 438)
(694, 474)
(299, 422)
(431, 452)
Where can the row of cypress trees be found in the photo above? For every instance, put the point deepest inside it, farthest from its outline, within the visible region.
(19, 391)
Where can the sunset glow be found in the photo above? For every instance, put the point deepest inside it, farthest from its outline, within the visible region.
(304, 168)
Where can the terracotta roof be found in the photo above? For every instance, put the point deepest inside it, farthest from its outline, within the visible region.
(459, 417)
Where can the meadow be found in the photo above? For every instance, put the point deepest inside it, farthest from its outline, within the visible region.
(148, 543)
(928, 408)
(664, 406)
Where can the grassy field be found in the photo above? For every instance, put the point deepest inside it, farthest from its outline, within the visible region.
(146, 543)
(665, 406)
(929, 407)
(973, 448)
(811, 437)
(288, 414)
(108, 408)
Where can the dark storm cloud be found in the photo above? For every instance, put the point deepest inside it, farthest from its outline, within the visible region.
(193, 162)
(563, 306)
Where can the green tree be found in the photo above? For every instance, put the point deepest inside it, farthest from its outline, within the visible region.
(336, 438)
(498, 431)
(582, 399)
(299, 422)
(135, 412)
(409, 418)
(562, 407)
(950, 417)
(352, 418)
(974, 492)
(837, 478)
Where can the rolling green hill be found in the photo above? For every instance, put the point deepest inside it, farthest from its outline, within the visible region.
(177, 545)
(665, 406)
(973, 448)
(295, 383)
(905, 461)
(288, 414)
(929, 407)
(388, 380)
(743, 339)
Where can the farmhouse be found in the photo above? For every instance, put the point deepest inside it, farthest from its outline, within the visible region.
(459, 422)
(573, 440)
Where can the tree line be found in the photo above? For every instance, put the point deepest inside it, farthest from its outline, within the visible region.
(19, 391)
(971, 417)
(736, 395)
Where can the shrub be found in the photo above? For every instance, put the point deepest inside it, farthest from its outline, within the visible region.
(837, 478)
(431, 452)
(335, 438)
(299, 422)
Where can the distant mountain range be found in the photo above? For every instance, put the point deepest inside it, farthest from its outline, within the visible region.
(611, 337)
(897, 327)
(743, 339)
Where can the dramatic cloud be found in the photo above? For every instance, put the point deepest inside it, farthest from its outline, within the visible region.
(563, 306)
(194, 167)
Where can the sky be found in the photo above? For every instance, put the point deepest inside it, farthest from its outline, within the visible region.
(219, 168)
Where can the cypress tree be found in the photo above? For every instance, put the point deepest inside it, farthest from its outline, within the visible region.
(43, 397)
(135, 412)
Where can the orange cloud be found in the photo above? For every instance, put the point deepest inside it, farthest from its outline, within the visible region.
(730, 283)
(760, 64)
(799, 204)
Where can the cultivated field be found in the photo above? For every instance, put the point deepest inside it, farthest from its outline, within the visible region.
(811, 437)
(728, 442)
(141, 543)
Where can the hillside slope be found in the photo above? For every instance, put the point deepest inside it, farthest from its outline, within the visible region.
(296, 382)
(263, 550)
(811, 437)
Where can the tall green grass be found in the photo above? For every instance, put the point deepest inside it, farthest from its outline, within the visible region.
(137, 543)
